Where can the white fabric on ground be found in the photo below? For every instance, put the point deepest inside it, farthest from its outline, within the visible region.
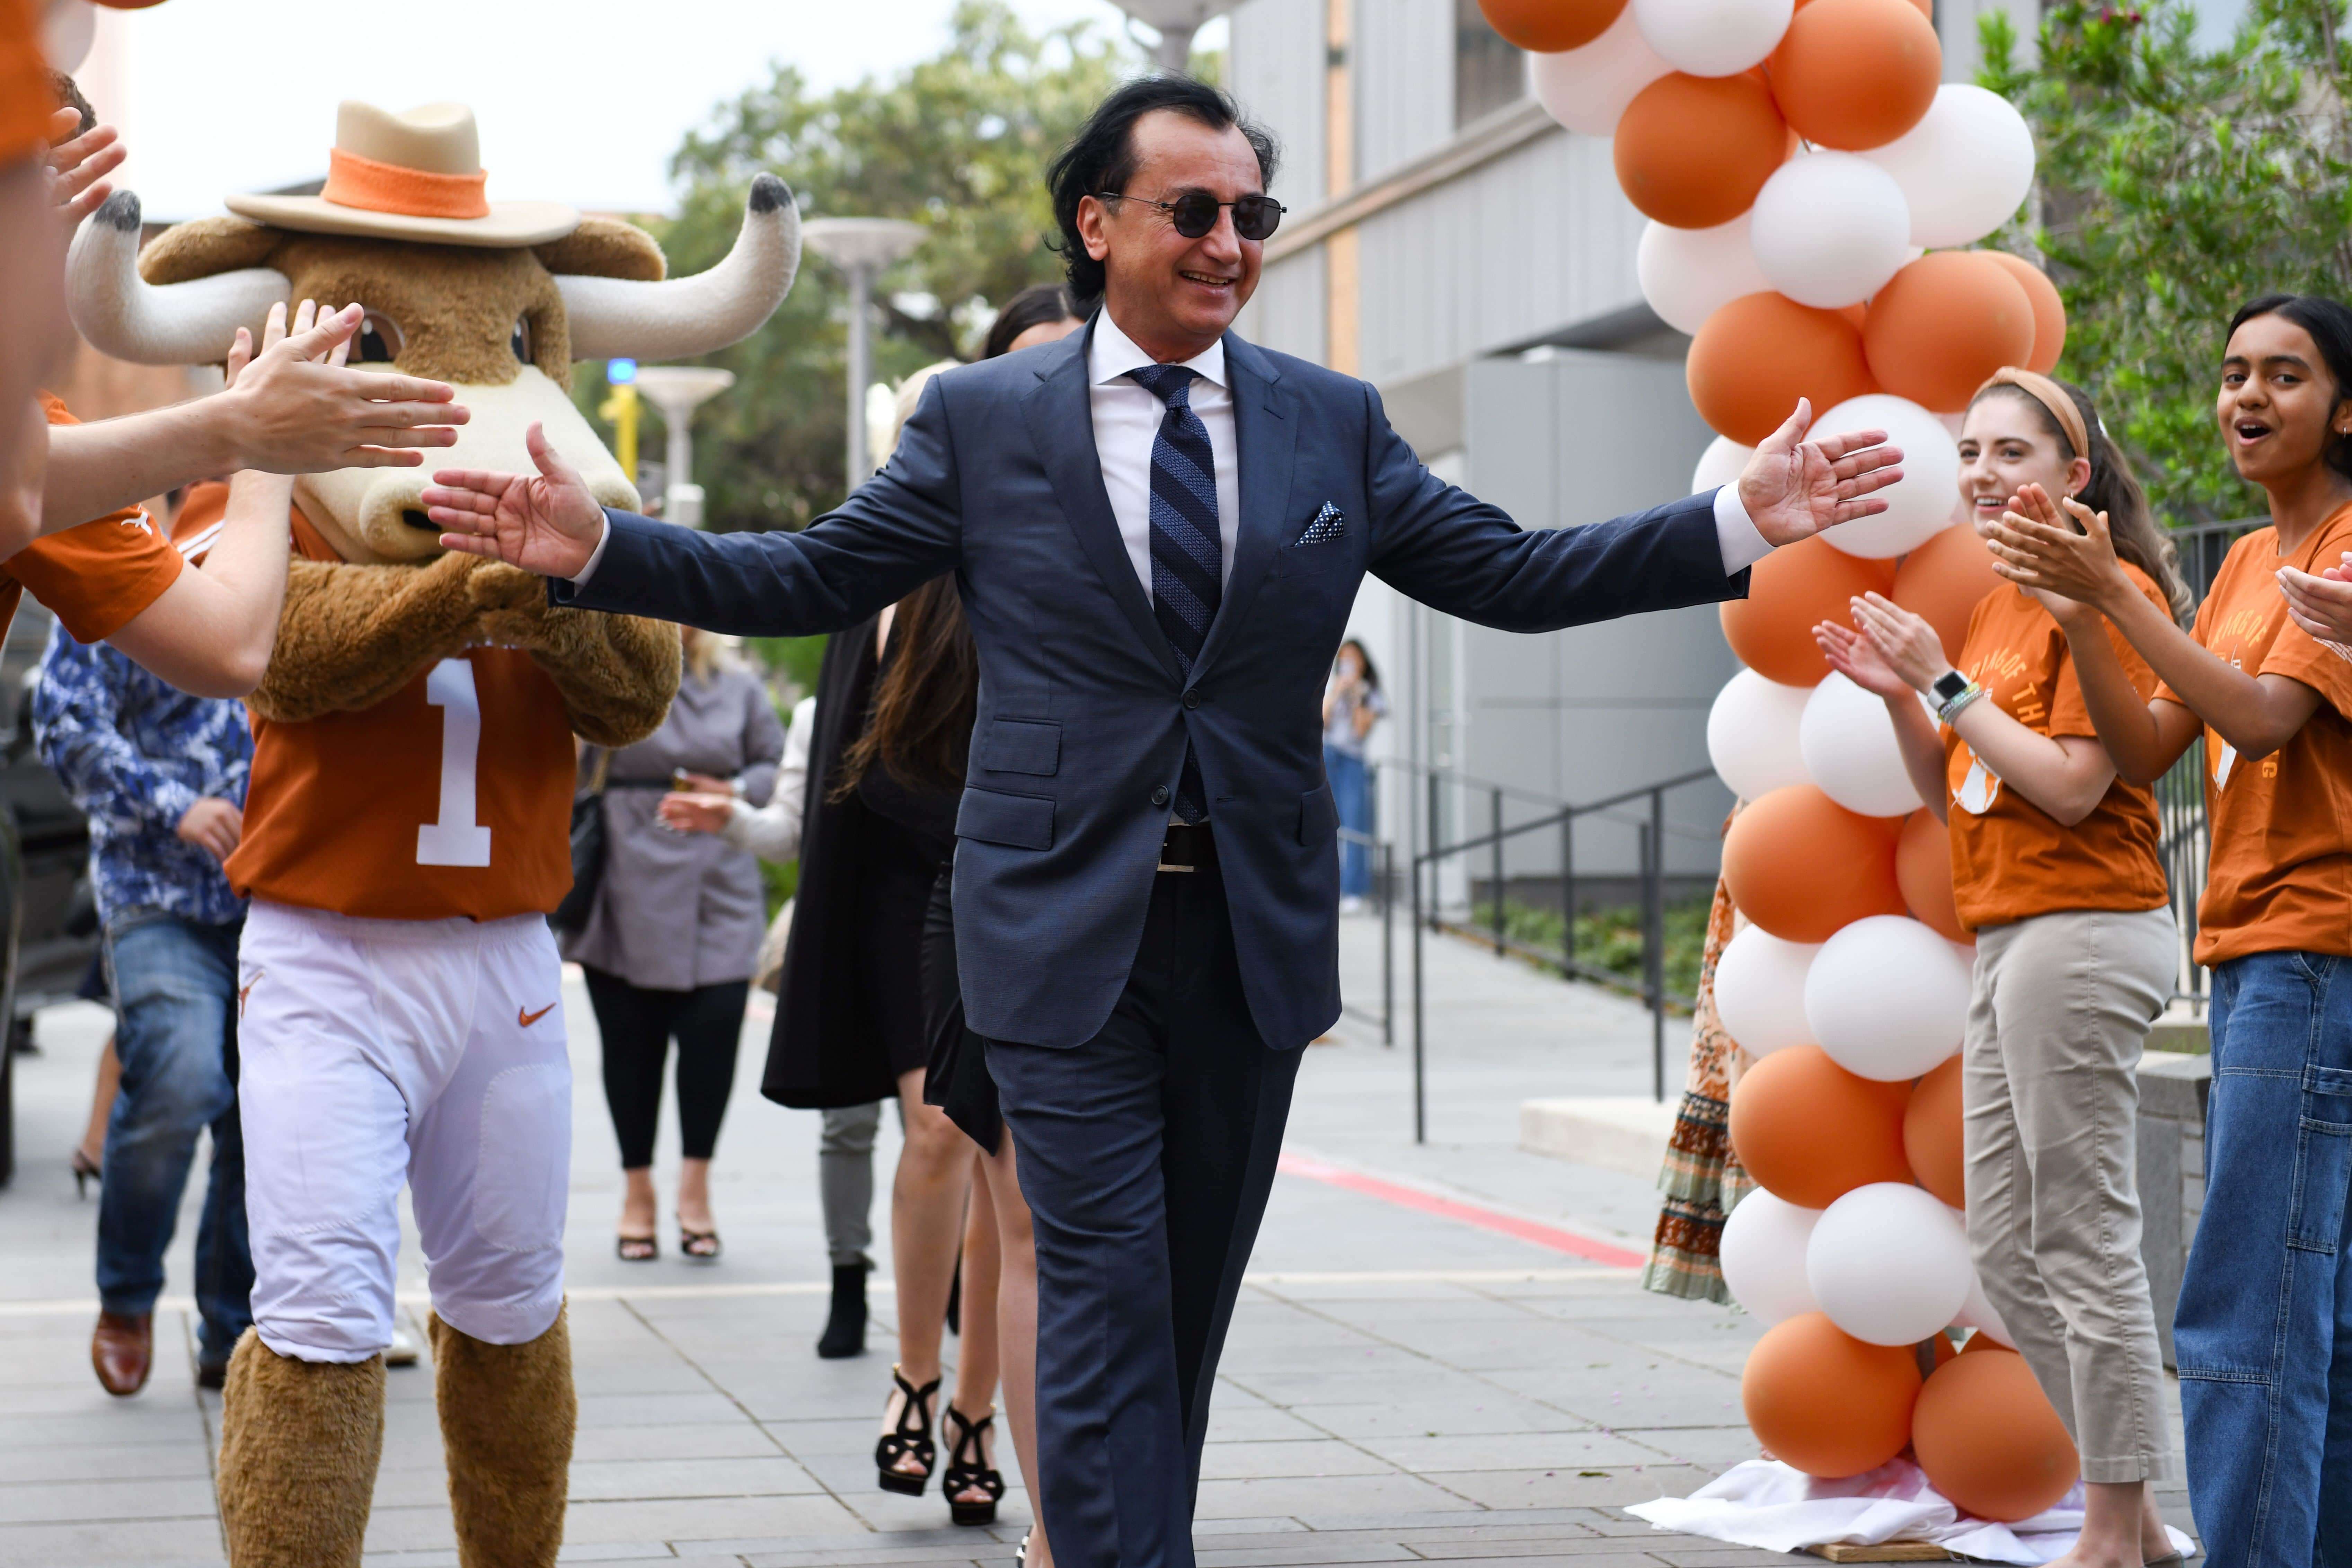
(1768, 1504)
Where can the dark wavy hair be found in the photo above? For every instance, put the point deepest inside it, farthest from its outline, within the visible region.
(2114, 489)
(1101, 158)
(2329, 322)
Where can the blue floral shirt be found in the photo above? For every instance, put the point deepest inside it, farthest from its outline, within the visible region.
(135, 753)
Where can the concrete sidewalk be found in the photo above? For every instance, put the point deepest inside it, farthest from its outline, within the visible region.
(1443, 1351)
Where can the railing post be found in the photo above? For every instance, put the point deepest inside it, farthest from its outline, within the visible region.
(1653, 938)
(1420, 1111)
(1495, 821)
(1568, 895)
(1388, 944)
(1430, 854)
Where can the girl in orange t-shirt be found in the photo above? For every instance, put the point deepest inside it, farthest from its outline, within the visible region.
(2264, 1330)
(2056, 873)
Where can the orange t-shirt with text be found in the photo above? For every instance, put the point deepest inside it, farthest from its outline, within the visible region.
(452, 796)
(26, 98)
(96, 575)
(2281, 875)
(2010, 860)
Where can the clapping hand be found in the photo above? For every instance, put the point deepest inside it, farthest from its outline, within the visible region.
(2321, 605)
(1793, 487)
(2067, 567)
(696, 811)
(1852, 656)
(546, 522)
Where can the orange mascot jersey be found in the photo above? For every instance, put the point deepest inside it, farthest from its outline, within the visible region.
(452, 796)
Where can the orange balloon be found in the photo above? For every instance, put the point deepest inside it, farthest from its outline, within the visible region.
(1944, 323)
(1931, 1132)
(1757, 355)
(1823, 1401)
(1794, 589)
(1810, 1132)
(1550, 27)
(1802, 867)
(1987, 1436)
(1852, 74)
(1923, 869)
(2049, 309)
(1943, 580)
(1692, 151)
(1926, 8)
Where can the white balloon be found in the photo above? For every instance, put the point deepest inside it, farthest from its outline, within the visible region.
(1888, 998)
(1850, 750)
(1759, 991)
(1689, 274)
(1762, 1252)
(1888, 1264)
(1828, 229)
(1751, 735)
(1920, 504)
(1721, 464)
(1587, 89)
(1965, 168)
(1977, 1312)
(1713, 37)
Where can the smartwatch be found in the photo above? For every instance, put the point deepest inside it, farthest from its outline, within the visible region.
(1948, 686)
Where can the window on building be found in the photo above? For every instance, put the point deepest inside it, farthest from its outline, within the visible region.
(1488, 72)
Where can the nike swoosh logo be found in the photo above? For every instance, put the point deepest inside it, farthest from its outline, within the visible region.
(528, 1019)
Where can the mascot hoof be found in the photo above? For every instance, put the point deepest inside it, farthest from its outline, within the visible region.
(506, 1417)
(299, 1444)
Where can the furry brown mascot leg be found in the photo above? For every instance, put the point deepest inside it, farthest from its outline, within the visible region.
(507, 1419)
(300, 1443)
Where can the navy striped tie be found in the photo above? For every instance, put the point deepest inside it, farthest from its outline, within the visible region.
(1187, 552)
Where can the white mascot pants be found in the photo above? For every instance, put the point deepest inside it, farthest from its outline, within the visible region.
(376, 1051)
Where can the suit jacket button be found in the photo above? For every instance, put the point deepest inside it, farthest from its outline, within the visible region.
(1191, 699)
(1160, 794)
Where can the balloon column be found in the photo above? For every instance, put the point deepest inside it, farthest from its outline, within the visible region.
(1812, 188)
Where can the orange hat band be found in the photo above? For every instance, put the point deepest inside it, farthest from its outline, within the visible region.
(356, 181)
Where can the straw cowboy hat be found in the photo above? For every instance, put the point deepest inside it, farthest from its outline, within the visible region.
(416, 175)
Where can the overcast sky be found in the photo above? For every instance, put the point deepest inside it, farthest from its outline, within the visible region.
(578, 100)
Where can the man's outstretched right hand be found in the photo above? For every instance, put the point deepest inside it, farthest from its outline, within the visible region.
(545, 522)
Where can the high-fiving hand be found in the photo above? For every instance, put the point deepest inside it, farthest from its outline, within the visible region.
(546, 522)
(1793, 487)
(2322, 604)
(298, 408)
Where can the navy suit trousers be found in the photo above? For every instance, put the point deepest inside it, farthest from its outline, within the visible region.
(1147, 1154)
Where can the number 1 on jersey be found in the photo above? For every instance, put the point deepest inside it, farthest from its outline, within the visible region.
(457, 840)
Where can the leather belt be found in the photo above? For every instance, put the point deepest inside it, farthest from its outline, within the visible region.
(1189, 847)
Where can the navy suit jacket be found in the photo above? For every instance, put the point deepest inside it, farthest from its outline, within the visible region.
(1084, 713)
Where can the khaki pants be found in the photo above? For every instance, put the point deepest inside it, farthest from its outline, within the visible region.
(2061, 1009)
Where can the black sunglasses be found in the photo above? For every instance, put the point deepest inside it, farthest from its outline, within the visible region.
(1194, 213)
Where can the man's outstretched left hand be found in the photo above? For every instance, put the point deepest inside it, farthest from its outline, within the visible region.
(1793, 487)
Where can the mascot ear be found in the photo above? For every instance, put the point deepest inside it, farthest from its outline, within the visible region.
(606, 248)
(207, 248)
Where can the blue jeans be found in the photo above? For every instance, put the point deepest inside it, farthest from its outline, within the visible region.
(2265, 1327)
(1351, 790)
(175, 1031)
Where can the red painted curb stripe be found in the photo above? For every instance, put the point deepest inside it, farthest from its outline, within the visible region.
(1544, 1236)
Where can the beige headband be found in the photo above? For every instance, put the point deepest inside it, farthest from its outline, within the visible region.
(2048, 393)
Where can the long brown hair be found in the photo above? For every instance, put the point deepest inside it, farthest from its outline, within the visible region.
(919, 727)
(2114, 489)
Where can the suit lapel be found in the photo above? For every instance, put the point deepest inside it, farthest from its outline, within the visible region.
(1061, 422)
(1266, 436)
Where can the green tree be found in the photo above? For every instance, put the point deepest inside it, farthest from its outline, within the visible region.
(2178, 182)
(958, 143)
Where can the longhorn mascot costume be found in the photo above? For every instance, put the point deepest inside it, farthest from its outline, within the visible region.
(407, 832)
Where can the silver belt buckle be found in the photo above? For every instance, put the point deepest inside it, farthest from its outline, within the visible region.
(1164, 865)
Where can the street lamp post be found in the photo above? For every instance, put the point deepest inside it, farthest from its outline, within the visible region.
(678, 390)
(861, 247)
(1176, 21)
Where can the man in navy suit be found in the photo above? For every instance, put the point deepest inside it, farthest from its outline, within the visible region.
(1158, 530)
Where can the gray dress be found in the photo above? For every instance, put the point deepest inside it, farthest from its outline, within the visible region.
(676, 912)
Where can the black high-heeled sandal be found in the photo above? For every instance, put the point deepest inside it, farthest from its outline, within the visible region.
(911, 1438)
(967, 1474)
(84, 1171)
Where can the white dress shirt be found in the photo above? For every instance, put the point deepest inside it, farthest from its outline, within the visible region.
(1127, 420)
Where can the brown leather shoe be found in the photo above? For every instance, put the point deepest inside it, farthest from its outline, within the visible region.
(122, 1350)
